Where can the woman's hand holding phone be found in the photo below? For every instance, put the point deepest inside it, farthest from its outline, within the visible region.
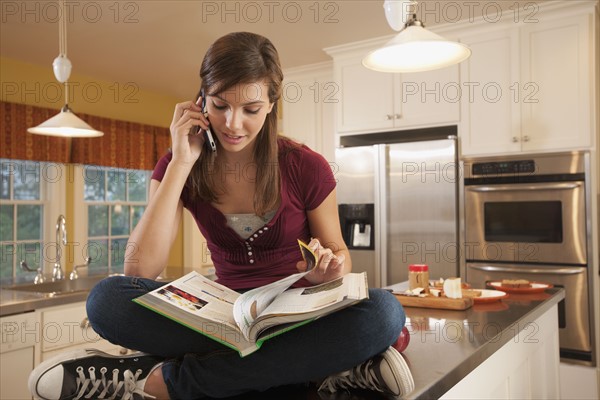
(186, 144)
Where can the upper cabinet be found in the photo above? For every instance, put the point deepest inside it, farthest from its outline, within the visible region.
(532, 87)
(491, 118)
(308, 97)
(556, 62)
(374, 101)
(528, 86)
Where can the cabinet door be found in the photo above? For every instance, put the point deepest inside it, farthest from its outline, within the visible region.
(65, 326)
(428, 98)
(301, 111)
(556, 66)
(367, 97)
(489, 83)
(15, 367)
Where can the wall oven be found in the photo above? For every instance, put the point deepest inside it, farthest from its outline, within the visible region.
(526, 217)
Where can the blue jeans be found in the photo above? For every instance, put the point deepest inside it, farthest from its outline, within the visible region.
(197, 366)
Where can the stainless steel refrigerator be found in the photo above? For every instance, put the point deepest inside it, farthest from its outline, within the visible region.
(398, 205)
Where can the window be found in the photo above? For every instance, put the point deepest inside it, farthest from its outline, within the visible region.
(21, 218)
(115, 200)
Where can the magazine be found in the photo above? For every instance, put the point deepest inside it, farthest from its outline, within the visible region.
(245, 321)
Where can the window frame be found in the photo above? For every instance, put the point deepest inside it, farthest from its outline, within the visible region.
(53, 202)
(80, 209)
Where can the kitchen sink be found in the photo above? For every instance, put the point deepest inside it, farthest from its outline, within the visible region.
(83, 284)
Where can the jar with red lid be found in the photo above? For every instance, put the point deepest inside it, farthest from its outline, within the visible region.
(418, 277)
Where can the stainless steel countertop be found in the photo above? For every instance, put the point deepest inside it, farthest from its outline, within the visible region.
(17, 302)
(445, 346)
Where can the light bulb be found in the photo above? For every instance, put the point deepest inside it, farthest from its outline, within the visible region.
(62, 68)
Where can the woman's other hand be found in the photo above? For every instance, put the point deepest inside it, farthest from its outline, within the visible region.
(329, 267)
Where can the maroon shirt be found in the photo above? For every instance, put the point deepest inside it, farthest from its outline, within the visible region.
(272, 252)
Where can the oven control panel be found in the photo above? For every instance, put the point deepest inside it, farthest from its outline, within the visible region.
(504, 167)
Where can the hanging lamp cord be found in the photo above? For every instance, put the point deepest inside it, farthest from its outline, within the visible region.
(62, 42)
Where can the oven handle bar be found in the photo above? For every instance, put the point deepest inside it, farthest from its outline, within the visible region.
(540, 271)
(519, 187)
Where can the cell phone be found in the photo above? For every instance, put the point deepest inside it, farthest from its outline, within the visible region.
(209, 140)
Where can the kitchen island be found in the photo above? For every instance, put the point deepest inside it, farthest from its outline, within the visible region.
(504, 349)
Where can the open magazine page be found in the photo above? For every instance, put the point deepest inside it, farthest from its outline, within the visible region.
(304, 304)
(302, 300)
(252, 303)
(200, 296)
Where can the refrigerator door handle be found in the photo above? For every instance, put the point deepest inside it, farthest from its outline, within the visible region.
(545, 271)
(381, 194)
(521, 187)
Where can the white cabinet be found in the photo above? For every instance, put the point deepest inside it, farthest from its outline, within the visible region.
(15, 367)
(556, 60)
(373, 101)
(33, 337)
(20, 333)
(491, 119)
(529, 87)
(366, 97)
(67, 328)
(526, 367)
(428, 98)
(309, 96)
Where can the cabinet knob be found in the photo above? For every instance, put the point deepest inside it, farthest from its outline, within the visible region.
(389, 117)
(398, 116)
(515, 139)
(85, 323)
(526, 138)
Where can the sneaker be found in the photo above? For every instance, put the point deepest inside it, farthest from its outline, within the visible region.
(92, 374)
(387, 373)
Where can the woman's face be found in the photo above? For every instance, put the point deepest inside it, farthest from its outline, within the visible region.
(237, 114)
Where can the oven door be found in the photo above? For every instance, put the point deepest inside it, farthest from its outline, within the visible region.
(573, 311)
(526, 223)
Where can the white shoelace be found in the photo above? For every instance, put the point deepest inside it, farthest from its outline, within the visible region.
(361, 376)
(99, 388)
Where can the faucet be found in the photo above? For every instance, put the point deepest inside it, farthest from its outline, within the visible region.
(39, 278)
(61, 236)
(74, 274)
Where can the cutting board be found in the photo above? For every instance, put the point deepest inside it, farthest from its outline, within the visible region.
(435, 302)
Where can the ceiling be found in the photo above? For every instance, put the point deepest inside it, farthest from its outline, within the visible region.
(159, 44)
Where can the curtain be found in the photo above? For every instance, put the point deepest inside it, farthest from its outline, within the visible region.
(17, 144)
(127, 145)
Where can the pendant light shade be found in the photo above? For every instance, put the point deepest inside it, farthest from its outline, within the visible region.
(65, 123)
(414, 48)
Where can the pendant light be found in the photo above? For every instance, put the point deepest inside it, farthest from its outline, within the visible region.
(65, 123)
(414, 48)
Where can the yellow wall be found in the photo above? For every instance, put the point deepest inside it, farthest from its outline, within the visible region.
(36, 85)
(31, 84)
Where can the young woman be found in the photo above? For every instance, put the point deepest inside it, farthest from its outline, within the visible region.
(252, 199)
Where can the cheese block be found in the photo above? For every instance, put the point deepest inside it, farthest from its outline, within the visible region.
(452, 288)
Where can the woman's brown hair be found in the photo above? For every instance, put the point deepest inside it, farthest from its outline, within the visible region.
(242, 58)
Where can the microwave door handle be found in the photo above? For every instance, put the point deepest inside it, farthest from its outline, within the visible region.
(520, 187)
(539, 271)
